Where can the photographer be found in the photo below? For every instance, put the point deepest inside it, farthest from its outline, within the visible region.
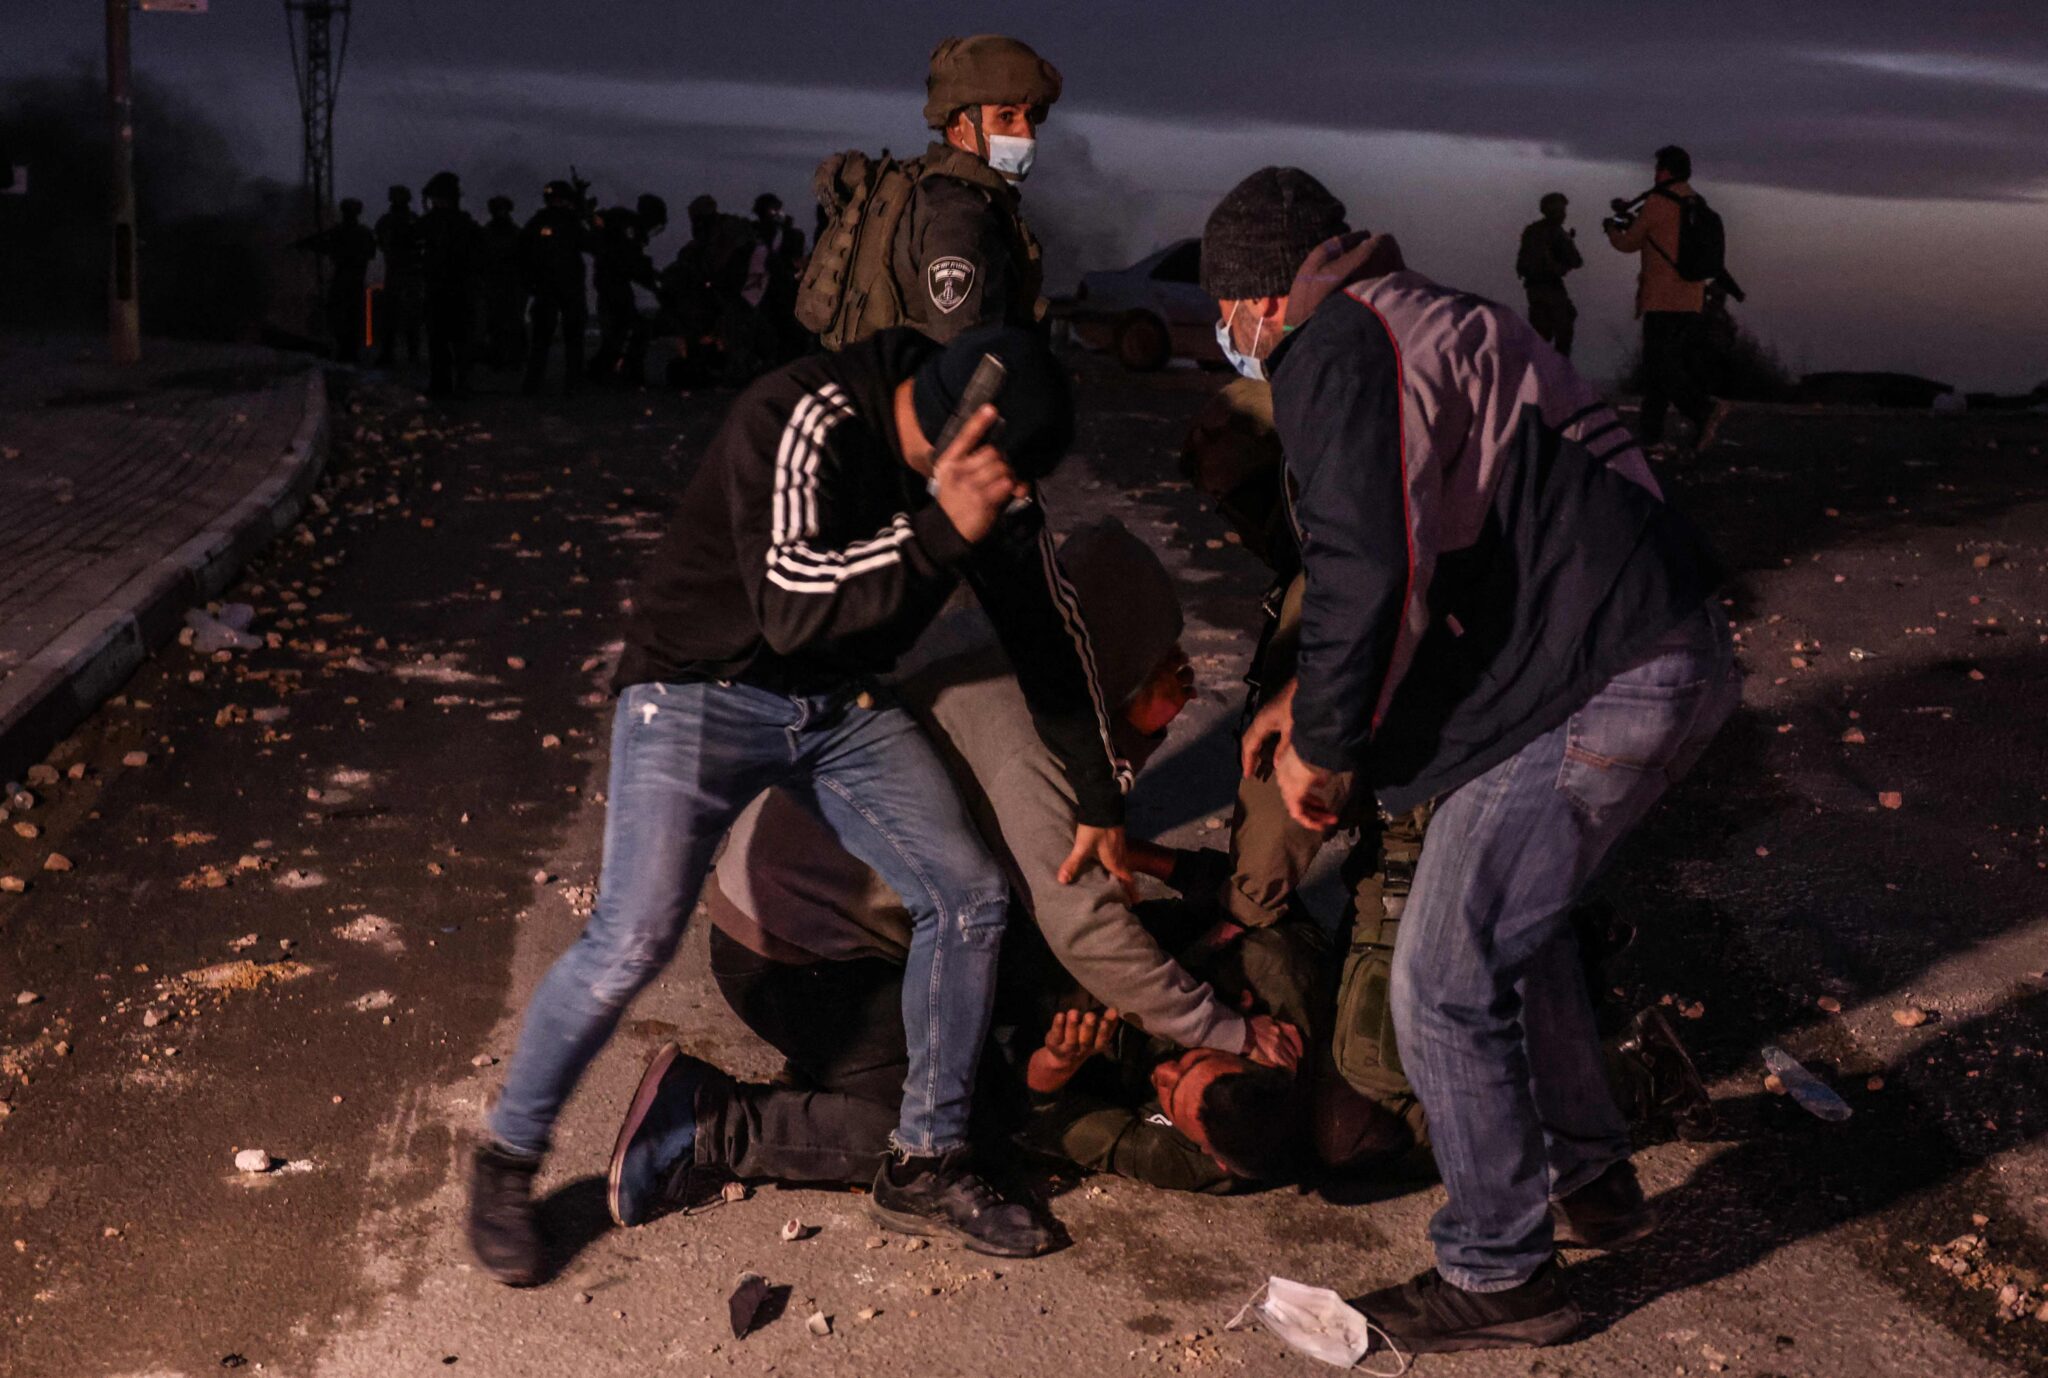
(1547, 253)
(1668, 302)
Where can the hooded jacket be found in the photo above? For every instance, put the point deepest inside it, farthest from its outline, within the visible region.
(1484, 544)
(785, 889)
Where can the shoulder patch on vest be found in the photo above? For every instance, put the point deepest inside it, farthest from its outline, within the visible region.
(949, 280)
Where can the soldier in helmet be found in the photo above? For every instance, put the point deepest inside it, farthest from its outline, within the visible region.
(451, 252)
(959, 253)
(348, 247)
(619, 261)
(504, 287)
(554, 242)
(398, 237)
(964, 254)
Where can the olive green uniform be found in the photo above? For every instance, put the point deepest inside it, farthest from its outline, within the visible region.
(963, 255)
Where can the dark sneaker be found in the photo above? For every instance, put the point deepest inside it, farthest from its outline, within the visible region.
(659, 1135)
(1427, 1315)
(1675, 1091)
(945, 1199)
(1608, 1212)
(503, 1232)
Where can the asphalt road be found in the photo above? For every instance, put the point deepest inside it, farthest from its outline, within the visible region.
(393, 817)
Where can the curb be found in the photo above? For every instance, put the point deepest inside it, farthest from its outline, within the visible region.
(63, 683)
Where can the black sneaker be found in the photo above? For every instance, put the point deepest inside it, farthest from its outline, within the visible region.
(1608, 1212)
(1427, 1315)
(503, 1231)
(945, 1199)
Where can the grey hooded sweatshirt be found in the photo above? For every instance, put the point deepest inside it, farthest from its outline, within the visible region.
(785, 889)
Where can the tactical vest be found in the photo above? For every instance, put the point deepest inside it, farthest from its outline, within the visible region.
(850, 289)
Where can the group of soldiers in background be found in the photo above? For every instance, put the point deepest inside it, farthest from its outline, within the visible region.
(498, 293)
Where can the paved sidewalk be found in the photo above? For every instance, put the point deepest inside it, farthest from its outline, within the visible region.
(127, 495)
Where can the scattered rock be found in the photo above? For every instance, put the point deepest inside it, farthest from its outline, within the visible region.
(875, 1241)
(42, 775)
(1774, 1085)
(483, 1060)
(1874, 1084)
(135, 758)
(867, 1313)
(819, 1324)
(550, 742)
(794, 1229)
(252, 1160)
(1909, 1016)
(1854, 736)
(152, 1018)
(12, 885)
(27, 830)
(732, 1191)
(299, 879)
(1829, 1004)
(243, 943)
(515, 662)
(1891, 799)
(27, 997)
(375, 1000)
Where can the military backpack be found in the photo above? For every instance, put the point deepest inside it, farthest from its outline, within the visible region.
(849, 291)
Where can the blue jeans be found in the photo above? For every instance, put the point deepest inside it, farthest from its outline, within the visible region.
(1490, 1004)
(686, 759)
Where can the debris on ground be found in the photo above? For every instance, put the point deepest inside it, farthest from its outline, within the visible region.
(819, 1324)
(1810, 1091)
(748, 1300)
(253, 1160)
(794, 1229)
(225, 630)
(1910, 1016)
(732, 1192)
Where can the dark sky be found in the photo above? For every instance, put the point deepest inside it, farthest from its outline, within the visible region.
(1882, 163)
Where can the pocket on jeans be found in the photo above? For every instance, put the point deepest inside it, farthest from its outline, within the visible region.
(1620, 748)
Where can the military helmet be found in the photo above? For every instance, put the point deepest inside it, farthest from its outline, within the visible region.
(442, 184)
(987, 69)
(351, 206)
(704, 205)
(499, 203)
(399, 196)
(767, 203)
(652, 209)
(558, 190)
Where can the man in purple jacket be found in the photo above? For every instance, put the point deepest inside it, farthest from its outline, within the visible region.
(1504, 616)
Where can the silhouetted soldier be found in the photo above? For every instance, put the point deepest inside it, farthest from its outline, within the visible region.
(504, 286)
(398, 237)
(451, 245)
(1547, 253)
(775, 267)
(553, 243)
(619, 260)
(348, 247)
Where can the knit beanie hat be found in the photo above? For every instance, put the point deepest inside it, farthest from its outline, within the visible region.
(1036, 402)
(1261, 231)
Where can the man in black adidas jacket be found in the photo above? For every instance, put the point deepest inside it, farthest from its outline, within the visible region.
(818, 539)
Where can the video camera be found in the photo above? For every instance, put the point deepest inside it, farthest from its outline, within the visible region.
(1625, 210)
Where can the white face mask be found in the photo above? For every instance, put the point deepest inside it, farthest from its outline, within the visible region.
(1250, 365)
(1011, 155)
(1317, 1322)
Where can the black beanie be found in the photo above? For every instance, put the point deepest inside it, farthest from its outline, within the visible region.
(1261, 231)
(1037, 402)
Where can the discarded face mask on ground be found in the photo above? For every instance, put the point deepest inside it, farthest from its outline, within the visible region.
(226, 631)
(1319, 1323)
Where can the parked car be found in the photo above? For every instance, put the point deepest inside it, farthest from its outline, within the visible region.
(1147, 314)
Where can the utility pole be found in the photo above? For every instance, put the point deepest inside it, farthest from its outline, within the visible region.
(316, 63)
(124, 312)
